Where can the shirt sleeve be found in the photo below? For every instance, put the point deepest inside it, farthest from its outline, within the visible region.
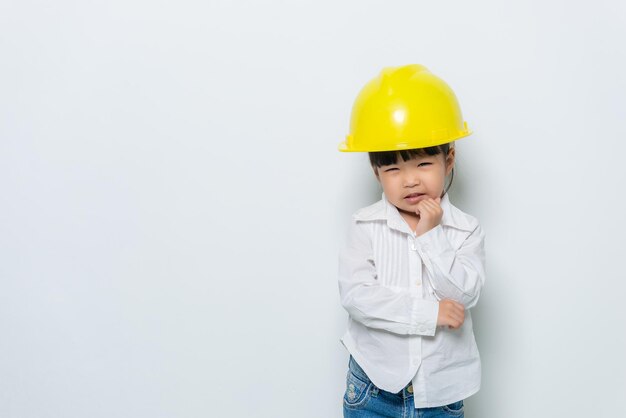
(457, 274)
(394, 309)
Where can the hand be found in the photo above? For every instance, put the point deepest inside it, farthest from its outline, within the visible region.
(451, 313)
(430, 214)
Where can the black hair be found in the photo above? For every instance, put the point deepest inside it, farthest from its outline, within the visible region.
(381, 158)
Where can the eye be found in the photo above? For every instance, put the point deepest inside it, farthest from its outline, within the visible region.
(389, 169)
(423, 164)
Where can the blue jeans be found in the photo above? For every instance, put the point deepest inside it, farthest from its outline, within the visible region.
(364, 400)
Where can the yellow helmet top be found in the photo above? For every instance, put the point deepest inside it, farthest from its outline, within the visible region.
(404, 107)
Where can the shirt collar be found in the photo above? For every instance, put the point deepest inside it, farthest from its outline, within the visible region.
(385, 211)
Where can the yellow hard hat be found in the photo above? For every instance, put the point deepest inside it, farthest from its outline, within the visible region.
(404, 107)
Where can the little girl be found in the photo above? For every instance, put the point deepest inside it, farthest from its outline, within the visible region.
(413, 264)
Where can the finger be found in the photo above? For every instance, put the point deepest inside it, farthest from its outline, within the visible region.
(432, 206)
(454, 310)
(421, 208)
(435, 207)
(454, 324)
(456, 317)
(459, 318)
(457, 304)
(428, 209)
(450, 314)
(427, 205)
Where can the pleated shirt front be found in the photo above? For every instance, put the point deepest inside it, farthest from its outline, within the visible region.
(390, 283)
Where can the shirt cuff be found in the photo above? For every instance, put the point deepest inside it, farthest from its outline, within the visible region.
(424, 316)
(434, 242)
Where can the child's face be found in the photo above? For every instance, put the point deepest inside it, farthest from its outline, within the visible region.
(408, 182)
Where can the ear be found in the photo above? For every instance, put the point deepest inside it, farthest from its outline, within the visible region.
(450, 159)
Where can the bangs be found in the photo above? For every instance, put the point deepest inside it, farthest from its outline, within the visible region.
(381, 158)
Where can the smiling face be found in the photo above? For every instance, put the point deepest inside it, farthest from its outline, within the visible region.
(406, 183)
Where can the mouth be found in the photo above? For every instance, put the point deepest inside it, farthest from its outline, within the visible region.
(414, 197)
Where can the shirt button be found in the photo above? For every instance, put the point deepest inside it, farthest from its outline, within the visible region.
(418, 283)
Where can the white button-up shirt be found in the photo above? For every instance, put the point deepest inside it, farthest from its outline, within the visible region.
(390, 282)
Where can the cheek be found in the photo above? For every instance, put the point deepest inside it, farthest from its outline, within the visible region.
(389, 183)
(437, 177)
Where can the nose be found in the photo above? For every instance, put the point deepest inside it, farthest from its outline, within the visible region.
(411, 179)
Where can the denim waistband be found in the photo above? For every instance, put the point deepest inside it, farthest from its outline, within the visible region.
(354, 367)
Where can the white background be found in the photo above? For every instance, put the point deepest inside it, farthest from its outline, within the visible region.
(172, 200)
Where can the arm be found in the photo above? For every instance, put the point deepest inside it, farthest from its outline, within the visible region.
(454, 274)
(374, 305)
